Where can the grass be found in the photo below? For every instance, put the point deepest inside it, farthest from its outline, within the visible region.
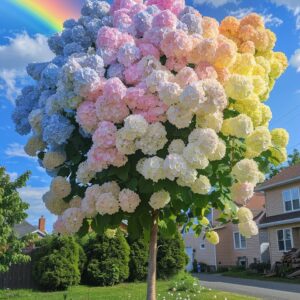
(250, 275)
(132, 291)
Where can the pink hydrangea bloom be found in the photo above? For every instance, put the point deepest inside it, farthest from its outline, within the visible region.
(105, 135)
(176, 64)
(132, 96)
(186, 76)
(109, 37)
(176, 43)
(121, 17)
(86, 116)
(148, 49)
(175, 6)
(133, 74)
(114, 89)
(109, 110)
(94, 94)
(165, 19)
(205, 70)
(155, 35)
(136, 9)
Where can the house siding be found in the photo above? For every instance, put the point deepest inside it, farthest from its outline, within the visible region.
(274, 201)
(227, 255)
(275, 254)
(206, 255)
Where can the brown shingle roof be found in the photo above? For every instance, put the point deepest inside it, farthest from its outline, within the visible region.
(281, 217)
(287, 175)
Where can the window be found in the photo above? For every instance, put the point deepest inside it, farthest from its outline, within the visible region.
(291, 199)
(202, 245)
(239, 241)
(284, 237)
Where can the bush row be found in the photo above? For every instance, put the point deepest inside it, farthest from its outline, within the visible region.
(60, 262)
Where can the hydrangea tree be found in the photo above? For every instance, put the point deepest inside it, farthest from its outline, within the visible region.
(150, 113)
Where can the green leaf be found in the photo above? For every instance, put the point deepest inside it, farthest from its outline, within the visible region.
(133, 184)
(135, 230)
(123, 172)
(84, 229)
(100, 223)
(145, 186)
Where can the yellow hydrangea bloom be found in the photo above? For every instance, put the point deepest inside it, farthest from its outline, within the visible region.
(239, 87)
(240, 126)
(258, 141)
(278, 155)
(266, 115)
(280, 137)
(212, 237)
(244, 64)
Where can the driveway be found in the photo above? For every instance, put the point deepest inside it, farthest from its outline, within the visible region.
(255, 288)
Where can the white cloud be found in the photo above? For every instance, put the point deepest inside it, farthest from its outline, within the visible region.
(268, 17)
(215, 3)
(33, 196)
(295, 60)
(16, 150)
(15, 56)
(293, 6)
(13, 175)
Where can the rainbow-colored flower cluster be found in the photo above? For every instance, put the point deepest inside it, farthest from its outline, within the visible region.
(126, 78)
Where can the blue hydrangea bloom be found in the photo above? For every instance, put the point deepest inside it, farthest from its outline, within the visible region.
(56, 129)
(70, 23)
(50, 76)
(142, 21)
(116, 70)
(92, 27)
(34, 70)
(56, 44)
(59, 60)
(94, 62)
(95, 8)
(72, 48)
(66, 36)
(192, 22)
(152, 10)
(85, 77)
(25, 103)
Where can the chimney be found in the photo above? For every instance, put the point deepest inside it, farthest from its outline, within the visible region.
(42, 224)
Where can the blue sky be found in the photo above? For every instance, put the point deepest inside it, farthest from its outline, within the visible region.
(23, 39)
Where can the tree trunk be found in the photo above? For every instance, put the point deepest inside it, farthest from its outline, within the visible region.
(151, 280)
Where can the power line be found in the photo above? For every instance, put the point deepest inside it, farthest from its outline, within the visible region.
(286, 114)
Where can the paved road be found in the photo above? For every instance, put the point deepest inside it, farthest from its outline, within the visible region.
(255, 288)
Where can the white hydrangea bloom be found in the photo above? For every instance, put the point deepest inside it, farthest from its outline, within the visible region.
(136, 126)
(159, 199)
(213, 121)
(174, 165)
(152, 168)
(176, 146)
(154, 139)
(75, 202)
(60, 187)
(193, 95)
(201, 186)
(129, 200)
(53, 159)
(35, 120)
(241, 192)
(219, 153)
(107, 204)
(72, 219)
(88, 204)
(244, 214)
(34, 144)
(179, 116)
(205, 138)
(195, 157)
(110, 187)
(246, 170)
(169, 93)
(187, 177)
(124, 144)
(248, 229)
(55, 205)
(84, 173)
(156, 78)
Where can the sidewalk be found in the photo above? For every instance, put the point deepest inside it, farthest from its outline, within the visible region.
(255, 288)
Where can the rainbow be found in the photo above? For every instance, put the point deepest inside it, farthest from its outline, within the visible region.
(51, 12)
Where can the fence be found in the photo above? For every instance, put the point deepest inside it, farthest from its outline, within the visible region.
(18, 277)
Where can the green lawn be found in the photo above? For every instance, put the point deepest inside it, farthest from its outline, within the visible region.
(133, 291)
(249, 275)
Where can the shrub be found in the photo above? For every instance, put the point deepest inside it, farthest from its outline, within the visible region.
(56, 263)
(260, 267)
(138, 260)
(107, 260)
(171, 257)
(184, 282)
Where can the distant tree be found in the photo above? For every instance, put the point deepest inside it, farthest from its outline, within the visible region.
(293, 159)
(12, 212)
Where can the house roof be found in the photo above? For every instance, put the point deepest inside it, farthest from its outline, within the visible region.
(286, 176)
(285, 218)
(24, 228)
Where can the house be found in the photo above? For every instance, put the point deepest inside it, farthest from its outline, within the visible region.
(233, 249)
(26, 228)
(281, 221)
